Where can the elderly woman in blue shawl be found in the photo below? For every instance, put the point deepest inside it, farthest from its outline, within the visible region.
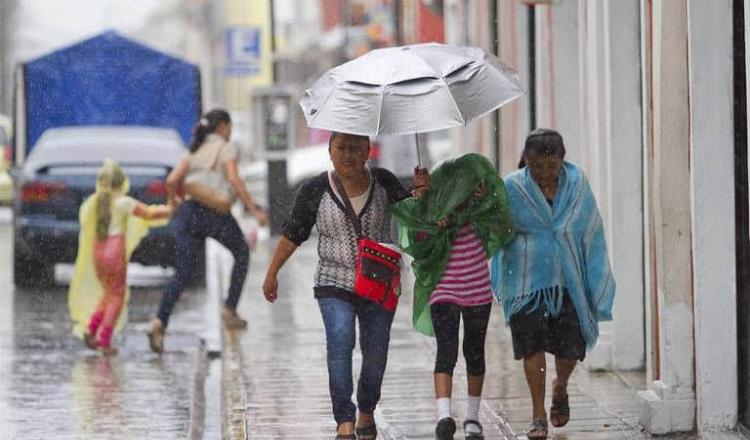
(554, 278)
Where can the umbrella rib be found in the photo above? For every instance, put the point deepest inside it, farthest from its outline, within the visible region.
(380, 110)
(317, 113)
(453, 98)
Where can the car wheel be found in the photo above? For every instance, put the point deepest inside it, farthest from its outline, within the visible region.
(29, 271)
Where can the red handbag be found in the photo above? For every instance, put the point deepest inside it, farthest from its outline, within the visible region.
(378, 274)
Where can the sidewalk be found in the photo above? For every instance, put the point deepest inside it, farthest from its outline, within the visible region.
(283, 364)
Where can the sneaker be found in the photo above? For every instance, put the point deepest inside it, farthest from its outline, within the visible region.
(156, 335)
(232, 320)
(445, 429)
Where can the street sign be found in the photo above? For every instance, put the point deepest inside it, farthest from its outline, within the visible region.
(243, 50)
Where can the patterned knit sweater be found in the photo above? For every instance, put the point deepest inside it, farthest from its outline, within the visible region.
(317, 205)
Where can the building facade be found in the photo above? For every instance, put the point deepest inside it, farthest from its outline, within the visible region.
(648, 96)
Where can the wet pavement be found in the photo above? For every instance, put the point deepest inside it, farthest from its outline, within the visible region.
(52, 386)
(284, 365)
(271, 380)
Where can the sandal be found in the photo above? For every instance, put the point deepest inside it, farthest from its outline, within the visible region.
(474, 435)
(559, 412)
(90, 341)
(156, 336)
(232, 320)
(107, 350)
(351, 436)
(367, 433)
(537, 430)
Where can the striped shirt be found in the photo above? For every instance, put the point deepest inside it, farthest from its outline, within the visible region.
(466, 278)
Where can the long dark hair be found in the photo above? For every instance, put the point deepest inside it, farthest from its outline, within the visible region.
(208, 123)
(545, 141)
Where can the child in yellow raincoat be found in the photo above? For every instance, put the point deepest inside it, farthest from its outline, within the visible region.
(112, 225)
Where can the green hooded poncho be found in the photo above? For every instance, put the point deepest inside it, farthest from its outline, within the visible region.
(450, 197)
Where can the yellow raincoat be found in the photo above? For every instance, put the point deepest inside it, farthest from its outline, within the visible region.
(85, 289)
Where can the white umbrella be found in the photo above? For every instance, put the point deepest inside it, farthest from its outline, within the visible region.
(410, 89)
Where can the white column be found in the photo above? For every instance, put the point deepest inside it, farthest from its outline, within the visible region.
(513, 32)
(712, 206)
(594, 150)
(624, 172)
(558, 72)
(669, 403)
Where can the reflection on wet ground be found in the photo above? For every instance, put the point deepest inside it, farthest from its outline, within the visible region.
(52, 386)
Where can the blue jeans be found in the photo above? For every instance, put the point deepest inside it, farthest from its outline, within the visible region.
(374, 335)
(192, 224)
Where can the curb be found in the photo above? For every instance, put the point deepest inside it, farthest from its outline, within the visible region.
(224, 344)
(198, 395)
(234, 415)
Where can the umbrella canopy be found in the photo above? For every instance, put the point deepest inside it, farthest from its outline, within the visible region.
(410, 89)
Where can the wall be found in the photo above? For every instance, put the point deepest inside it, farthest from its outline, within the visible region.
(712, 180)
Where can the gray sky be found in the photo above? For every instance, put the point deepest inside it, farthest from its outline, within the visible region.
(43, 25)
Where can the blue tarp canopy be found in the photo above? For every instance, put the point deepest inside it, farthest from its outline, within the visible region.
(110, 80)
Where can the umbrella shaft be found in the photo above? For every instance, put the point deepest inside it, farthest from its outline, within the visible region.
(419, 152)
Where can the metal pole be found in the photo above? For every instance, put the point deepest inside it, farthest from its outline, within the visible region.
(419, 153)
(397, 28)
(494, 19)
(532, 67)
(274, 71)
(742, 219)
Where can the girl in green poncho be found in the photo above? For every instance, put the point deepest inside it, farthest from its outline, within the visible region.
(451, 230)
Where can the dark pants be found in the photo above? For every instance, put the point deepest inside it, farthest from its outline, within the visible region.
(445, 321)
(192, 224)
(534, 330)
(374, 335)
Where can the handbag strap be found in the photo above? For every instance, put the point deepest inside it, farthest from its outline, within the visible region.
(216, 156)
(348, 204)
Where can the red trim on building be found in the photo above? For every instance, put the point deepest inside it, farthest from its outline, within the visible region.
(331, 13)
(431, 27)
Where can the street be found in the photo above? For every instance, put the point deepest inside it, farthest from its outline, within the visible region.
(643, 105)
(52, 386)
(274, 382)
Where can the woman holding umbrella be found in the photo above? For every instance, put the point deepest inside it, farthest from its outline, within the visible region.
(319, 203)
(391, 91)
(554, 278)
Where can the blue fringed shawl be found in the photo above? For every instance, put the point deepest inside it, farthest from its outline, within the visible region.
(555, 246)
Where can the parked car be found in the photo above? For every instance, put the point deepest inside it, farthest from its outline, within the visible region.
(60, 173)
(6, 181)
(302, 163)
